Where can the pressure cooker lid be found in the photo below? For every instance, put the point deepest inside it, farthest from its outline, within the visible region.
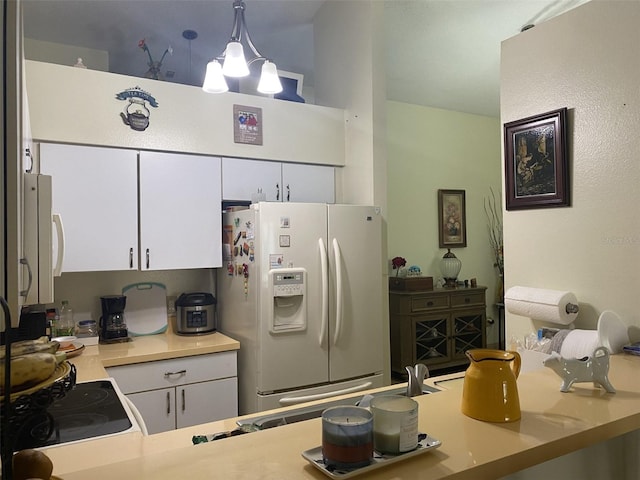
(195, 299)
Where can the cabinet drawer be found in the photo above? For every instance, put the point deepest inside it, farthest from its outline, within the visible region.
(141, 377)
(467, 299)
(420, 304)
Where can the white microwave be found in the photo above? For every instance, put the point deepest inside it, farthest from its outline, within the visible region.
(38, 227)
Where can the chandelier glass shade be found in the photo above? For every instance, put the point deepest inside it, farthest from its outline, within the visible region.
(214, 81)
(234, 63)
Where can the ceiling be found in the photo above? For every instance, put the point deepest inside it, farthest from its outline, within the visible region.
(440, 53)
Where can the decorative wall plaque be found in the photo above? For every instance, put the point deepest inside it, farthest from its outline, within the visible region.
(247, 125)
(136, 112)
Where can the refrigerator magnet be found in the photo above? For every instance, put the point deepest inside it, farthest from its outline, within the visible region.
(285, 241)
(276, 260)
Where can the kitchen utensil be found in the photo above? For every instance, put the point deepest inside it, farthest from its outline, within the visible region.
(146, 308)
(490, 391)
(195, 314)
(113, 327)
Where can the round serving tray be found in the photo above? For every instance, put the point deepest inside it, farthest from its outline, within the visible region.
(62, 370)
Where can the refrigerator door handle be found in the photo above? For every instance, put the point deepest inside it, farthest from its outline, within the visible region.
(325, 291)
(285, 401)
(57, 221)
(339, 307)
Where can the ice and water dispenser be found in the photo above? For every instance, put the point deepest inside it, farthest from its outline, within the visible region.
(289, 312)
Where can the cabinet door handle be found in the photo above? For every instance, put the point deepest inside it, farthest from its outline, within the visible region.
(277, 191)
(183, 402)
(25, 292)
(288, 193)
(179, 372)
(131, 257)
(429, 304)
(467, 300)
(168, 403)
(147, 259)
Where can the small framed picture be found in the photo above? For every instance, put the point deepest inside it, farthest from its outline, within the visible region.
(536, 163)
(452, 218)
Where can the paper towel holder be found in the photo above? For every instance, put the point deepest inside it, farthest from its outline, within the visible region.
(571, 308)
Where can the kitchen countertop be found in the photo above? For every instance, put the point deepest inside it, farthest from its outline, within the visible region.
(552, 424)
(91, 364)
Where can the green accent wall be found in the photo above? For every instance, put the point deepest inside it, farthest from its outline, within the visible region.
(430, 149)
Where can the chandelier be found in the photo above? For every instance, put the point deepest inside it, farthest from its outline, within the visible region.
(234, 63)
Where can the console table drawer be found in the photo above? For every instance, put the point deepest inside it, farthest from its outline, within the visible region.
(420, 304)
(467, 299)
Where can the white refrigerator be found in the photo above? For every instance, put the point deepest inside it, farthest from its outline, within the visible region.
(302, 288)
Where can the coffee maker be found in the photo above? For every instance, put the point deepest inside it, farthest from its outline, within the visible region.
(113, 327)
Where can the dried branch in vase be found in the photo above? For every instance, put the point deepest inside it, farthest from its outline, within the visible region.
(494, 227)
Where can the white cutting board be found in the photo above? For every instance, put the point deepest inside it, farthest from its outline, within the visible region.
(146, 308)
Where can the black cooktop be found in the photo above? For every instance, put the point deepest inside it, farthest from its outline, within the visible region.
(90, 409)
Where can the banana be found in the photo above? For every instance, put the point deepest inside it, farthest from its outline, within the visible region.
(28, 370)
(24, 347)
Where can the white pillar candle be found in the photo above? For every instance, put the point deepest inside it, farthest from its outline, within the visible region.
(395, 424)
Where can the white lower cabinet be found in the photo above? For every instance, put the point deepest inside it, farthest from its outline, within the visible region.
(181, 392)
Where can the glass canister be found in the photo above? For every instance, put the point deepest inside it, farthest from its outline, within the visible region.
(87, 328)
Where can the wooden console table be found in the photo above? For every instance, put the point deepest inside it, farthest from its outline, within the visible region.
(436, 327)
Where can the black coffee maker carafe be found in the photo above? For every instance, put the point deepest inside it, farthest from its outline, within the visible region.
(113, 327)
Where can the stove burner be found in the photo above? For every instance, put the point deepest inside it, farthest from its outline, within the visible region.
(86, 398)
(90, 410)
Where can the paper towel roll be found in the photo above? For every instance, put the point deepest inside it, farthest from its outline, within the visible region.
(580, 343)
(541, 304)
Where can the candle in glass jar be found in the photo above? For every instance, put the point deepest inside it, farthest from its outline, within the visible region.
(395, 424)
(347, 437)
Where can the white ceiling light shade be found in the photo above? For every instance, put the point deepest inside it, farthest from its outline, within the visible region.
(214, 81)
(269, 79)
(234, 63)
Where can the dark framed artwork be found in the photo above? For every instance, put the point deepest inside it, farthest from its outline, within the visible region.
(536, 163)
(452, 219)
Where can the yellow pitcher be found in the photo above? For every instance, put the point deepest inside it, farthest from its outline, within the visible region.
(490, 391)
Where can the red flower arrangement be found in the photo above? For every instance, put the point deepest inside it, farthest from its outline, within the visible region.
(398, 263)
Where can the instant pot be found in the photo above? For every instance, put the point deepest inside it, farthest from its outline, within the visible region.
(196, 314)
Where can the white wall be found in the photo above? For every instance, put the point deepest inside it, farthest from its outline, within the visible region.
(73, 105)
(587, 60)
(349, 73)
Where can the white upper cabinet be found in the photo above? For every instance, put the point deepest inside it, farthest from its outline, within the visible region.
(98, 193)
(244, 179)
(95, 192)
(308, 183)
(180, 211)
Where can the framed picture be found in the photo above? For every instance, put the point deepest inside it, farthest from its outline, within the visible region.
(536, 163)
(452, 219)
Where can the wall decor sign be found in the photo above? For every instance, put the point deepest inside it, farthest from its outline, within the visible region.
(452, 218)
(247, 125)
(136, 112)
(536, 161)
